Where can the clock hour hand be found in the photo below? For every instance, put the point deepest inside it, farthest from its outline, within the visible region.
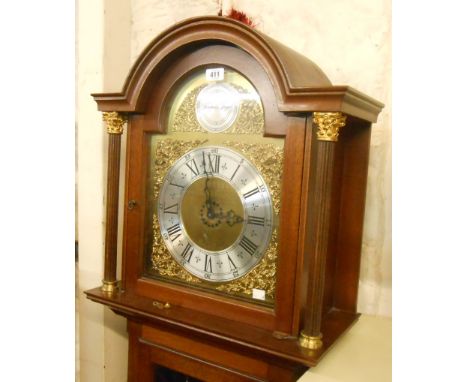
(230, 217)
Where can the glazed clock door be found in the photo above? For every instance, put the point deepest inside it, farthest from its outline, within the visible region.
(208, 174)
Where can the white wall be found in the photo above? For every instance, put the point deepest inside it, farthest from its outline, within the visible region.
(103, 36)
(350, 40)
(90, 36)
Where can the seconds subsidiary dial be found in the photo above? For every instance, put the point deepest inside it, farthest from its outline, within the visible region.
(215, 213)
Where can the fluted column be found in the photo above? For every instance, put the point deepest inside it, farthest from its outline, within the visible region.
(326, 126)
(114, 122)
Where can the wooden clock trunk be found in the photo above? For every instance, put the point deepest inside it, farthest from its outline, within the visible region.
(326, 131)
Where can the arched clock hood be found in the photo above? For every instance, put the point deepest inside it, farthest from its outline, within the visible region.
(301, 86)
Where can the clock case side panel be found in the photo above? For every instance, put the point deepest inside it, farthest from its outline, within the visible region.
(349, 215)
(343, 256)
(276, 124)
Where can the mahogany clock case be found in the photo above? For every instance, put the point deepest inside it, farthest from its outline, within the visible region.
(291, 88)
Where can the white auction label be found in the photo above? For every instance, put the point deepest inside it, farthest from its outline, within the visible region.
(214, 74)
(258, 294)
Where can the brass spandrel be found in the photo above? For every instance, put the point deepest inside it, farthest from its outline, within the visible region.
(165, 153)
(260, 277)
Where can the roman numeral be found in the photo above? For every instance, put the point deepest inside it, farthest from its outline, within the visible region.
(250, 193)
(174, 209)
(174, 231)
(248, 245)
(255, 220)
(187, 252)
(231, 264)
(192, 165)
(208, 266)
(235, 171)
(213, 161)
(177, 185)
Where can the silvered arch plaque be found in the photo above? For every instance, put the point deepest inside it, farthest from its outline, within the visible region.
(217, 106)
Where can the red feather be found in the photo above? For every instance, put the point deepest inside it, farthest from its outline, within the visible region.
(242, 17)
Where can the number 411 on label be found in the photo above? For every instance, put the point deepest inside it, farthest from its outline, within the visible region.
(214, 74)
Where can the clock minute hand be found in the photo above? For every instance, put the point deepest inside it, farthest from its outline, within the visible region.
(208, 200)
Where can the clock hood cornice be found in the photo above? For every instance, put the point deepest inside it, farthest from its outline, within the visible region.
(301, 85)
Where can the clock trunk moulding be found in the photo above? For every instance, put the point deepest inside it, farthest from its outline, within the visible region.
(181, 319)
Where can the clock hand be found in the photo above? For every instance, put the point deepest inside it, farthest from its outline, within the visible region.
(230, 217)
(208, 199)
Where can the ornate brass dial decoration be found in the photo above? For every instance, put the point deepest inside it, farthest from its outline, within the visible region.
(268, 159)
(166, 152)
(248, 119)
(328, 125)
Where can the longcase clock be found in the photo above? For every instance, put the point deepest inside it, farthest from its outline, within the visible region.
(244, 204)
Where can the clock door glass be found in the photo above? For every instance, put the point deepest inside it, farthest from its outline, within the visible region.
(214, 189)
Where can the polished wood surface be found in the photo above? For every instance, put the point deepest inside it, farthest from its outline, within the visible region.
(229, 334)
(290, 217)
(354, 146)
(112, 203)
(211, 336)
(200, 358)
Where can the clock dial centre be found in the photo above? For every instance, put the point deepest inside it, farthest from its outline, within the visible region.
(212, 213)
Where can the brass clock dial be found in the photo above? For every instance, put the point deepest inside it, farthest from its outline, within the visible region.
(215, 213)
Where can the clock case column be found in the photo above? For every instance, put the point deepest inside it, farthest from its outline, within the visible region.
(115, 123)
